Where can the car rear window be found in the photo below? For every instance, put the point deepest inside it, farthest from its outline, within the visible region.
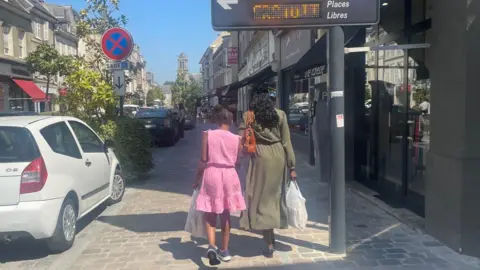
(151, 114)
(17, 145)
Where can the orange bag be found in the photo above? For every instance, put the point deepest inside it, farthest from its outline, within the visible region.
(249, 143)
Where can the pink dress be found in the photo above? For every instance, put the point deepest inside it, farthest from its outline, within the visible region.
(221, 190)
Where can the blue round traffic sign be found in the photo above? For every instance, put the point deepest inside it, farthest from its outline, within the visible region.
(117, 43)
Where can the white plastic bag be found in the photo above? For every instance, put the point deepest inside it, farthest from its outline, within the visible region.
(195, 223)
(296, 206)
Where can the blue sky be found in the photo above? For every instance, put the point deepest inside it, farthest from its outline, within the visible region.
(163, 29)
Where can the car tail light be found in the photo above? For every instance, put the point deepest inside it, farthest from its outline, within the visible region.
(166, 123)
(34, 177)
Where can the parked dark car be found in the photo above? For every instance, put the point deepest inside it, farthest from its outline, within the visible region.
(161, 123)
(4, 114)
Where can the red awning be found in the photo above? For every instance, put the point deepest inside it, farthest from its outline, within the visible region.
(31, 89)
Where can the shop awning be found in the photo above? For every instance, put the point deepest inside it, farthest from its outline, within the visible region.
(315, 60)
(316, 56)
(31, 89)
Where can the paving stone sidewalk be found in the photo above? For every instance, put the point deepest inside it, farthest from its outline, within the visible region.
(147, 233)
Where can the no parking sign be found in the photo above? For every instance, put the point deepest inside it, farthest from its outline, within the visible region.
(117, 43)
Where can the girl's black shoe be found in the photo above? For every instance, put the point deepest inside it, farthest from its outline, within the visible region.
(269, 253)
(212, 256)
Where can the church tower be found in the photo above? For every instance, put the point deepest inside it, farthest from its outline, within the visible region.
(183, 62)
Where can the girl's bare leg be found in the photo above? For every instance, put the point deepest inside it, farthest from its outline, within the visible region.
(225, 219)
(211, 224)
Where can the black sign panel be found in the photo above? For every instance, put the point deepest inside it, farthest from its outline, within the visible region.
(230, 15)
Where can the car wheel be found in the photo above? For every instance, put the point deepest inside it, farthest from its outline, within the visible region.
(118, 188)
(66, 228)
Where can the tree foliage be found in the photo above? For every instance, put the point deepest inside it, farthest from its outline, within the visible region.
(154, 94)
(46, 61)
(186, 90)
(89, 97)
(422, 92)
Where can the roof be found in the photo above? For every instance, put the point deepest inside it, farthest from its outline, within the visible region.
(23, 121)
(182, 55)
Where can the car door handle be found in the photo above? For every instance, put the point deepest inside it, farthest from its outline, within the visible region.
(88, 163)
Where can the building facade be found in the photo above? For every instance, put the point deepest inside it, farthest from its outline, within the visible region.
(256, 57)
(24, 24)
(208, 70)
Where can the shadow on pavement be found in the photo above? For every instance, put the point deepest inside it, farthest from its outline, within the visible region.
(23, 249)
(31, 249)
(172, 222)
(240, 246)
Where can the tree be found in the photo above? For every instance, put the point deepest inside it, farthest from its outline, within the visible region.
(421, 92)
(89, 97)
(185, 91)
(154, 94)
(46, 61)
(168, 83)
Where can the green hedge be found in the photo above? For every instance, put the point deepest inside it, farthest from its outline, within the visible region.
(132, 146)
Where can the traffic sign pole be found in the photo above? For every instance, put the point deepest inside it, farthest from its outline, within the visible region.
(117, 44)
(336, 85)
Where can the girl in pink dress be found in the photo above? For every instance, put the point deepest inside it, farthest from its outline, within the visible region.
(220, 191)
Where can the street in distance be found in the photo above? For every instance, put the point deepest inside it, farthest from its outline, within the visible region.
(278, 14)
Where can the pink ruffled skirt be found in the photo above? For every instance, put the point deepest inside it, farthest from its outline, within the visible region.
(220, 191)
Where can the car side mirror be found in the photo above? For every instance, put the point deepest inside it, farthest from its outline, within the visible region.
(108, 144)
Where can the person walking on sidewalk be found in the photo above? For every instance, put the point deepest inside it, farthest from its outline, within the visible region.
(267, 171)
(220, 192)
(181, 119)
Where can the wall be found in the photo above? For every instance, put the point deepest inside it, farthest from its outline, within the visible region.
(293, 45)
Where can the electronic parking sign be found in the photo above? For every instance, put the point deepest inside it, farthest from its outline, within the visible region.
(231, 15)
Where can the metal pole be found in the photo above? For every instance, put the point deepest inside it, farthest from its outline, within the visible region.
(311, 95)
(122, 101)
(336, 80)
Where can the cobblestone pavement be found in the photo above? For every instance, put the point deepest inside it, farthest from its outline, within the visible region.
(145, 231)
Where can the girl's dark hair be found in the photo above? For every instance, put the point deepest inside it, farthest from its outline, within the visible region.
(221, 116)
(263, 107)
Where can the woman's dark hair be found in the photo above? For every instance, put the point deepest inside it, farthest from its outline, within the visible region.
(222, 116)
(263, 107)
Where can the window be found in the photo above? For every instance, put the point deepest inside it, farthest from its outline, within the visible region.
(21, 44)
(6, 40)
(88, 140)
(46, 28)
(37, 28)
(17, 145)
(61, 140)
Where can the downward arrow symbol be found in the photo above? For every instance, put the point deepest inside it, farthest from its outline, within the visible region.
(119, 84)
(226, 3)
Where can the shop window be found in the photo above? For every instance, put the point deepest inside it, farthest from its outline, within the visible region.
(37, 28)
(46, 28)
(22, 48)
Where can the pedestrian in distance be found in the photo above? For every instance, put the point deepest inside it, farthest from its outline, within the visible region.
(220, 191)
(271, 164)
(181, 119)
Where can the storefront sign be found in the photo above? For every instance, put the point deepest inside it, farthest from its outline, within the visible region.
(232, 55)
(293, 46)
(314, 72)
(311, 73)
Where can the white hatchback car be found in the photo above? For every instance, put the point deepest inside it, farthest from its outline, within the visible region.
(53, 171)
